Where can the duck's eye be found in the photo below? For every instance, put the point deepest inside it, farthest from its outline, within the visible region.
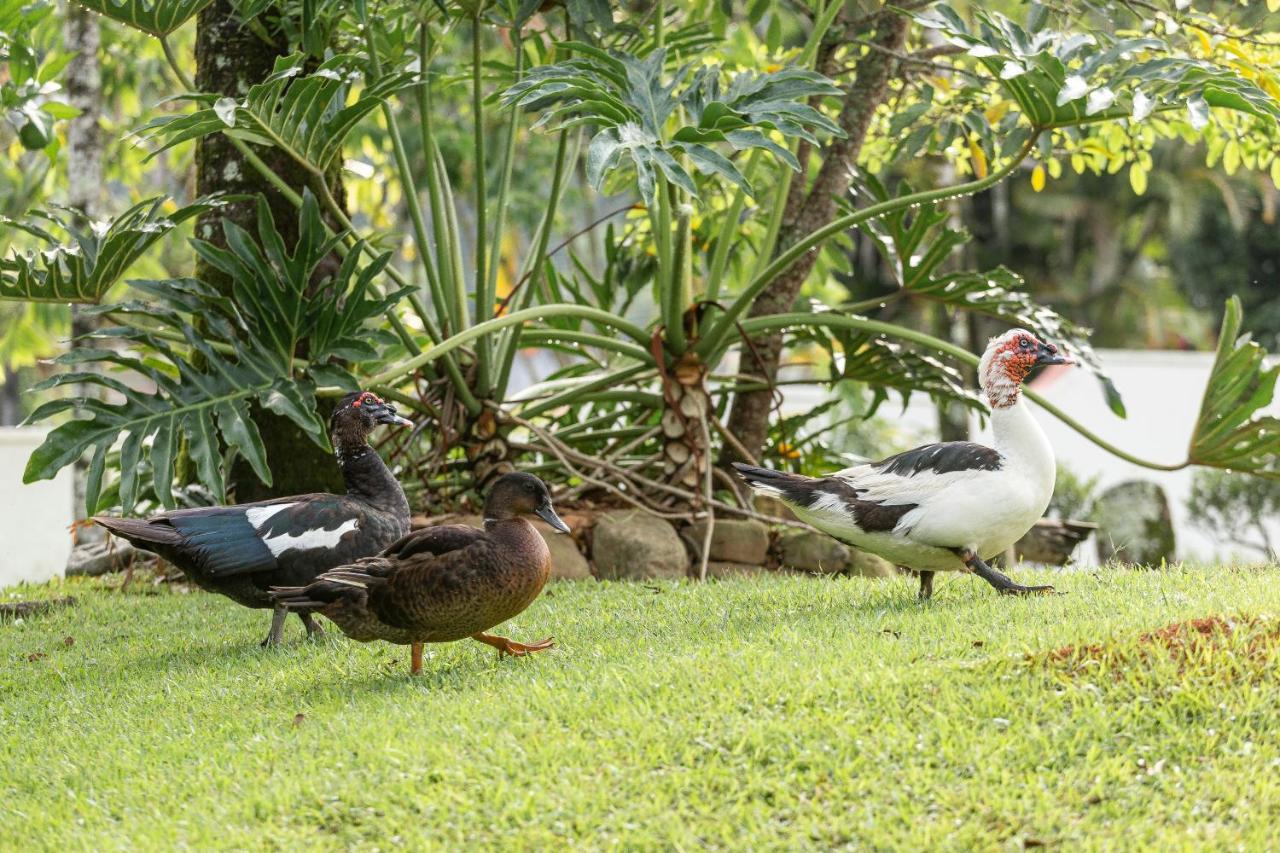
(1024, 343)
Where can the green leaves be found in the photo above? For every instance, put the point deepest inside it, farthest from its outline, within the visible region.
(916, 244)
(83, 269)
(157, 17)
(633, 101)
(274, 300)
(1063, 79)
(305, 115)
(209, 354)
(1227, 433)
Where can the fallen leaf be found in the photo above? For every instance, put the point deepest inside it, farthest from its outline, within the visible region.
(35, 656)
(977, 644)
(68, 641)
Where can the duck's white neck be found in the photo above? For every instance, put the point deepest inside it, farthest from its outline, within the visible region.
(1020, 440)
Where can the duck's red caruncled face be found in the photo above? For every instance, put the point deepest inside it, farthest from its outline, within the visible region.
(1018, 355)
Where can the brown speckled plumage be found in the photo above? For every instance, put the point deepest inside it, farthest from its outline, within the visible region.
(444, 583)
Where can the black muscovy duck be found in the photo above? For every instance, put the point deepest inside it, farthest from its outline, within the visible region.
(444, 583)
(241, 551)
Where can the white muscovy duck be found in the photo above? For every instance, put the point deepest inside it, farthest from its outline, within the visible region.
(942, 507)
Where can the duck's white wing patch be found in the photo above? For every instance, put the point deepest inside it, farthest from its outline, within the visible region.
(308, 539)
(259, 515)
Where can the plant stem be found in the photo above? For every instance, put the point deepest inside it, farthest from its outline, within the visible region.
(542, 337)
(408, 186)
(485, 301)
(404, 368)
(482, 232)
(728, 229)
(509, 343)
(676, 298)
(443, 256)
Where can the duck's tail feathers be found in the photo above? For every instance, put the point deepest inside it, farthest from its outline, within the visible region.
(140, 531)
(338, 583)
(294, 599)
(775, 484)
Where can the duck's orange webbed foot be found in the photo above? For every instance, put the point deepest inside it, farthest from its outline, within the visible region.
(511, 647)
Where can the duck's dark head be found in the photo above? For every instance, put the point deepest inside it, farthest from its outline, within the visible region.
(1008, 360)
(521, 494)
(359, 414)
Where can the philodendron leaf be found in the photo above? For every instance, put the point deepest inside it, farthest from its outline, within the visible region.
(84, 266)
(157, 17)
(1229, 432)
(631, 100)
(196, 392)
(305, 115)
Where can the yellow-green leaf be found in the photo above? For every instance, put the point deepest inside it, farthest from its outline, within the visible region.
(1231, 157)
(1138, 178)
(1037, 178)
(979, 159)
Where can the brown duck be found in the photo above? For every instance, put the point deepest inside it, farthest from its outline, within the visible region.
(445, 583)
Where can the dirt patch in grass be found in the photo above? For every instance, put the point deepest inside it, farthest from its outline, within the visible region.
(1233, 647)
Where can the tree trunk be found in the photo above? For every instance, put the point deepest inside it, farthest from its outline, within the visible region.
(685, 450)
(805, 213)
(230, 59)
(80, 38)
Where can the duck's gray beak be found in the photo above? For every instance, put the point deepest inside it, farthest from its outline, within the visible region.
(1048, 354)
(548, 514)
(388, 415)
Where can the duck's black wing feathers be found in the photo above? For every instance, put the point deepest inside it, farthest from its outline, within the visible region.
(942, 458)
(308, 533)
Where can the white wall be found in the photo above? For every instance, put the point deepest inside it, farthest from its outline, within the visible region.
(34, 519)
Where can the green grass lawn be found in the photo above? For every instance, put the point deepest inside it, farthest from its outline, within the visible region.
(775, 712)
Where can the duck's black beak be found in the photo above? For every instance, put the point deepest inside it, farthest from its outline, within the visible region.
(388, 415)
(548, 514)
(1048, 354)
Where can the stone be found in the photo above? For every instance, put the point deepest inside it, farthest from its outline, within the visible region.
(726, 569)
(1134, 524)
(99, 558)
(772, 507)
(567, 561)
(630, 544)
(811, 551)
(734, 540)
(868, 565)
(1051, 541)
